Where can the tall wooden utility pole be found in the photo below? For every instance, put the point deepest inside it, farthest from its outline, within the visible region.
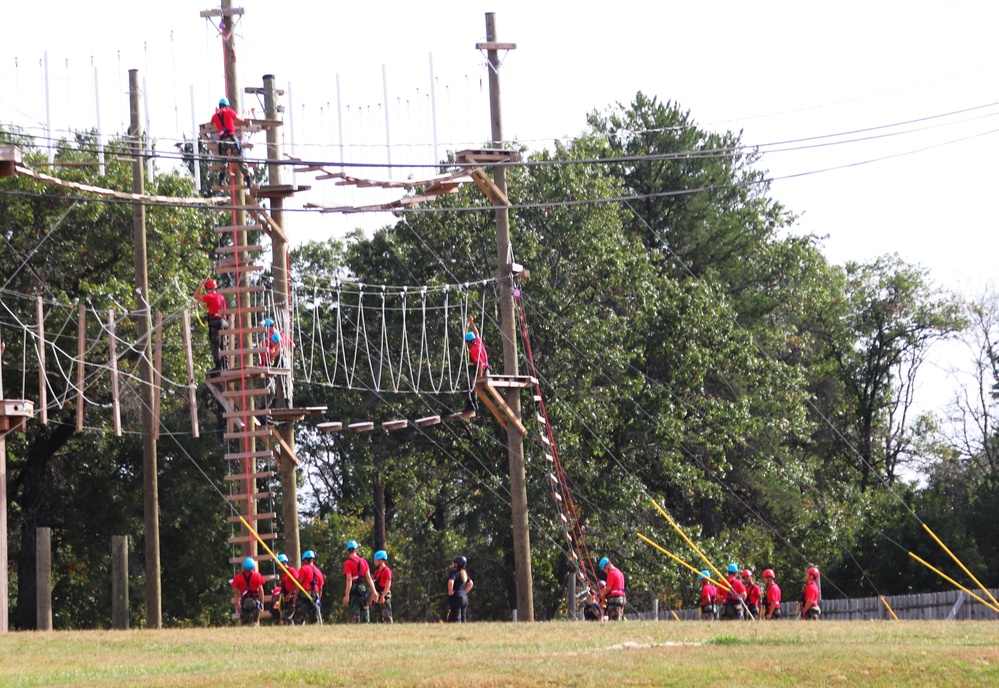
(150, 482)
(515, 442)
(282, 313)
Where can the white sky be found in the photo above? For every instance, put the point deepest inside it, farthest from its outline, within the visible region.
(776, 70)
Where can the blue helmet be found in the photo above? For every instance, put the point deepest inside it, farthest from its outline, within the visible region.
(381, 555)
(469, 336)
(351, 544)
(704, 574)
(276, 338)
(268, 322)
(283, 558)
(733, 568)
(224, 101)
(309, 554)
(603, 563)
(249, 564)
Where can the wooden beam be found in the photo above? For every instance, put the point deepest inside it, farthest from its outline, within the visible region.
(485, 182)
(330, 426)
(192, 396)
(395, 424)
(157, 373)
(500, 416)
(501, 403)
(286, 449)
(362, 426)
(493, 45)
(428, 421)
(81, 377)
(113, 355)
(43, 399)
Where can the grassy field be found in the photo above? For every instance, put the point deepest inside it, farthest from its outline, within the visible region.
(734, 655)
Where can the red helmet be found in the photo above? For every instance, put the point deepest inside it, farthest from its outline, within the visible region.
(813, 571)
(768, 573)
(210, 283)
(748, 573)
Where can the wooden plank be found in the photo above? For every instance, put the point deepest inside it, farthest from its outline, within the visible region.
(157, 373)
(261, 475)
(462, 415)
(427, 421)
(238, 249)
(287, 451)
(252, 517)
(254, 434)
(493, 45)
(501, 403)
(43, 399)
(222, 229)
(115, 402)
(192, 395)
(241, 497)
(395, 424)
(484, 396)
(507, 380)
(488, 187)
(361, 426)
(240, 456)
(81, 347)
(329, 426)
(246, 413)
(238, 539)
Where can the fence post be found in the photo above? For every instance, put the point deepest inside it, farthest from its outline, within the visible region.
(43, 579)
(655, 609)
(119, 582)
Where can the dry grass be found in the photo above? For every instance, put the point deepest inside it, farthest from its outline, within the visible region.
(734, 655)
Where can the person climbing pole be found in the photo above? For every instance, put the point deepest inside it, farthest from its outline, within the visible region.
(226, 120)
(248, 593)
(207, 293)
(771, 600)
(709, 612)
(289, 591)
(478, 363)
(810, 610)
(382, 597)
(458, 587)
(612, 594)
(753, 593)
(308, 609)
(359, 584)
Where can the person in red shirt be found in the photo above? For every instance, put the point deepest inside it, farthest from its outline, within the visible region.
(226, 120)
(382, 597)
(736, 594)
(289, 592)
(612, 595)
(709, 611)
(771, 609)
(207, 293)
(753, 593)
(248, 593)
(307, 610)
(812, 596)
(359, 584)
(478, 364)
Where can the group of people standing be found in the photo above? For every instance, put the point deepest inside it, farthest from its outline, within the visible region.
(741, 597)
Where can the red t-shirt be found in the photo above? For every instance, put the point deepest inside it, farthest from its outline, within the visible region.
(773, 596)
(721, 594)
(311, 577)
(708, 593)
(382, 576)
(215, 303)
(355, 567)
(477, 353)
(737, 587)
(811, 593)
(252, 583)
(286, 581)
(224, 120)
(615, 581)
(754, 594)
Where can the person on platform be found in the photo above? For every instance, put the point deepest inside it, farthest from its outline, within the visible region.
(478, 364)
(612, 595)
(309, 608)
(382, 597)
(226, 120)
(736, 594)
(771, 598)
(357, 576)
(207, 293)
(248, 593)
(810, 610)
(709, 612)
(754, 596)
(458, 587)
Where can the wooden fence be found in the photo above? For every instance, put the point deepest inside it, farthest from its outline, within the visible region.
(951, 605)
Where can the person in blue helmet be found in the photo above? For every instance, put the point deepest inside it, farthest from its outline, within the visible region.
(478, 364)
(248, 593)
(289, 591)
(307, 609)
(736, 594)
(226, 120)
(709, 611)
(612, 594)
(382, 597)
(458, 587)
(359, 584)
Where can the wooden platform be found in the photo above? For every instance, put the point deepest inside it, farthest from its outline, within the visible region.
(486, 388)
(278, 190)
(14, 413)
(282, 415)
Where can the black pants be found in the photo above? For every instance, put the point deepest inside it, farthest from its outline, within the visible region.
(230, 148)
(215, 327)
(457, 608)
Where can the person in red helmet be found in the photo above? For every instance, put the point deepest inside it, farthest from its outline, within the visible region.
(709, 611)
(226, 120)
(753, 593)
(810, 610)
(478, 364)
(207, 293)
(771, 601)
